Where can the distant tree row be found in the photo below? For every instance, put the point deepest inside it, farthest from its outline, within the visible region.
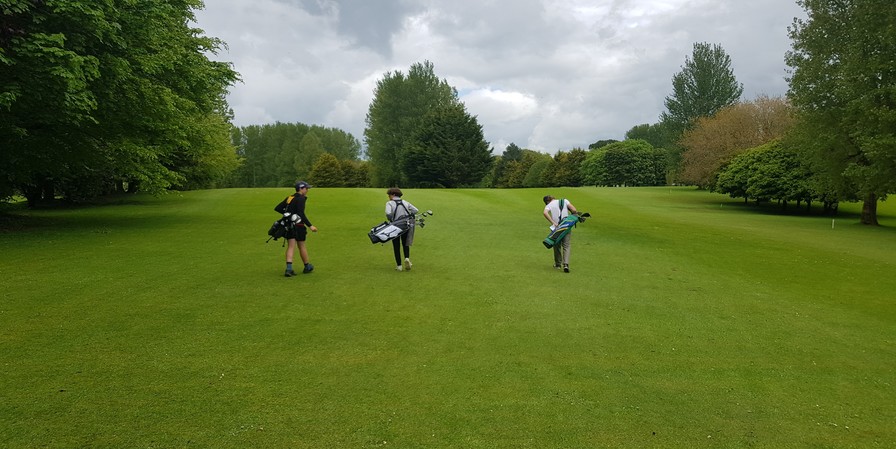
(626, 163)
(102, 97)
(278, 155)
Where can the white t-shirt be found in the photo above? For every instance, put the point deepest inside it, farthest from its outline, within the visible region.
(553, 208)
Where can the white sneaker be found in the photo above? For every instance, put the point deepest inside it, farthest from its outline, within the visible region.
(407, 264)
(398, 268)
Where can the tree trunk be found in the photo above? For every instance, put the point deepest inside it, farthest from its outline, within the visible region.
(32, 195)
(49, 190)
(869, 210)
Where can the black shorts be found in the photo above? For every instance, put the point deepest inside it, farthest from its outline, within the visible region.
(299, 233)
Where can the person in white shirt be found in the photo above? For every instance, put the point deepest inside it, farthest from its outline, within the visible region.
(554, 212)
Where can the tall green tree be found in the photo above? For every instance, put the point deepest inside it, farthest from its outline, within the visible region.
(96, 95)
(705, 84)
(510, 157)
(447, 150)
(843, 84)
(310, 149)
(399, 104)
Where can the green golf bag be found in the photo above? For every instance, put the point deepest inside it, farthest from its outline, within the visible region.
(564, 227)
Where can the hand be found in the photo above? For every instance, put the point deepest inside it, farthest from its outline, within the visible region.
(313, 228)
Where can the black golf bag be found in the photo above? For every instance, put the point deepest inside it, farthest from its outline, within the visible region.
(284, 224)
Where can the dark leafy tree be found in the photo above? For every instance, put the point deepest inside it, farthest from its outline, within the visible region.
(512, 153)
(565, 169)
(399, 104)
(355, 173)
(536, 174)
(734, 178)
(626, 163)
(657, 135)
(327, 172)
(499, 176)
(447, 150)
(769, 172)
(523, 173)
(100, 96)
(844, 87)
(601, 144)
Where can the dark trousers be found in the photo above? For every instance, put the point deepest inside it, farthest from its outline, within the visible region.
(397, 244)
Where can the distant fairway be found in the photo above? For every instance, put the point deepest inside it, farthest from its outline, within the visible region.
(688, 320)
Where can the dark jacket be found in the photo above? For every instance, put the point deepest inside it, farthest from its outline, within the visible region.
(294, 204)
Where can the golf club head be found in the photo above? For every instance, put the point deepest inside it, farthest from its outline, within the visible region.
(428, 212)
(586, 215)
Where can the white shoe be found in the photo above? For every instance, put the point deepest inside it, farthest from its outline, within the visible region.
(407, 264)
(398, 268)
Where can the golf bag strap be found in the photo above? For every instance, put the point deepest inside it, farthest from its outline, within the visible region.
(398, 203)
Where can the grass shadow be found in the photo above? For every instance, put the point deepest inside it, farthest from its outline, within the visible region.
(18, 217)
(846, 210)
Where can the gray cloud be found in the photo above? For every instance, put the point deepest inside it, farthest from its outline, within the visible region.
(545, 74)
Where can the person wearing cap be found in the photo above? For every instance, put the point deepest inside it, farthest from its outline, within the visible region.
(295, 204)
(554, 213)
(396, 209)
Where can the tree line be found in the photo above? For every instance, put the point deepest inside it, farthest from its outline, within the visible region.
(278, 154)
(104, 97)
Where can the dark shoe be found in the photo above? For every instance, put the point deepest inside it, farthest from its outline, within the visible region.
(308, 268)
(289, 273)
(566, 268)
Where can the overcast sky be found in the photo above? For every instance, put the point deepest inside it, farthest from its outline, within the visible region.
(546, 75)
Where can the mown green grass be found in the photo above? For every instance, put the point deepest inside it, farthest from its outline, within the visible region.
(689, 320)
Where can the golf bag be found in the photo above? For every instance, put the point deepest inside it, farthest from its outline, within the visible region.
(564, 227)
(389, 230)
(281, 226)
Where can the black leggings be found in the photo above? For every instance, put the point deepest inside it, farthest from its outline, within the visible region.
(397, 244)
